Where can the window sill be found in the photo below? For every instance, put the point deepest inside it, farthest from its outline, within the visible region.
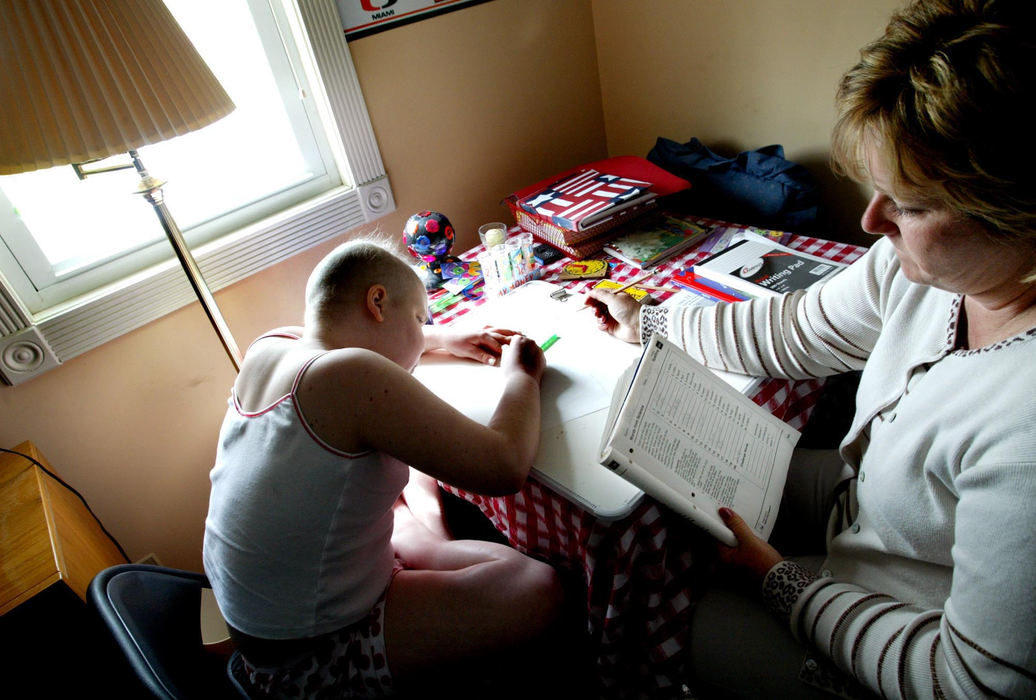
(41, 342)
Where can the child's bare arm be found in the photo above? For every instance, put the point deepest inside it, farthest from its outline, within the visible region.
(481, 344)
(359, 400)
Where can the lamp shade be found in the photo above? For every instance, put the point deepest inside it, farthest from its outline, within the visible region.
(85, 79)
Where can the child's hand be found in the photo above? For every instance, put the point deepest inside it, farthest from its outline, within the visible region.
(618, 314)
(483, 345)
(523, 355)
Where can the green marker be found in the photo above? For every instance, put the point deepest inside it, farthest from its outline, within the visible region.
(443, 303)
(548, 342)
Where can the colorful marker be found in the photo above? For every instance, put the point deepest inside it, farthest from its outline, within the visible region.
(548, 342)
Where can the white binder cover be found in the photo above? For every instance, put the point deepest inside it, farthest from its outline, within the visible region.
(583, 366)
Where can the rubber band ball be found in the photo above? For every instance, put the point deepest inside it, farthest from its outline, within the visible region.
(429, 236)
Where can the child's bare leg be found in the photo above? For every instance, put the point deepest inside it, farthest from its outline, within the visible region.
(463, 600)
(422, 497)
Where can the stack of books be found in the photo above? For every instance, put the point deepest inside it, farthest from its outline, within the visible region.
(580, 210)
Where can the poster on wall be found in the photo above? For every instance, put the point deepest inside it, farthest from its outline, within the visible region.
(365, 17)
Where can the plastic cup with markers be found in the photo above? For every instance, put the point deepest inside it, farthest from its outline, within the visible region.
(526, 242)
(515, 258)
(489, 274)
(507, 261)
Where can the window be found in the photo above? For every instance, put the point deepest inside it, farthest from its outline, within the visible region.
(98, 265)
(267, 154)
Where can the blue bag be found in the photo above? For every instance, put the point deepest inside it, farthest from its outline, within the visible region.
(759, 188)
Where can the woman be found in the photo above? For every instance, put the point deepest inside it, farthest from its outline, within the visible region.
(927, 589)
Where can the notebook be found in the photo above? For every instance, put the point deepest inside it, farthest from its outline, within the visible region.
(655, 239)
(579, 201)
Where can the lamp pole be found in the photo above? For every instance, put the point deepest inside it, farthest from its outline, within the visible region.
(151, 188)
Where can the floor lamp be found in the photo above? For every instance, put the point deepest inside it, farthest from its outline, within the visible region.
(82, 80)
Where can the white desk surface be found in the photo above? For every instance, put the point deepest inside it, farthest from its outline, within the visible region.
(576, 391)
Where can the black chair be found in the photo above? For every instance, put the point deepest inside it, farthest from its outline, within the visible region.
(153, 613)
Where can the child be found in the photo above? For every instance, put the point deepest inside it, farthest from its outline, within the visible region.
(323, 572)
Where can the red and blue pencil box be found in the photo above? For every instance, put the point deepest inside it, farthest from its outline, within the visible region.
(686, 279)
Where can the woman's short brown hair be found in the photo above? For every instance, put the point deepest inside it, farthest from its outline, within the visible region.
(945, 96)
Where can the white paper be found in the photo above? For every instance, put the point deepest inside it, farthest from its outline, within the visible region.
(575, 394)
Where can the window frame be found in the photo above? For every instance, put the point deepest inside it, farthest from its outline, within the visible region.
(33, 343)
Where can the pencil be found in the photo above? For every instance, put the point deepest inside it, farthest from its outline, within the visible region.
(657, 289)
(548, 342)
(634, 283)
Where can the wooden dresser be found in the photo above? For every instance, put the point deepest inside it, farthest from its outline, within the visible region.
(50, 549)
(47, 535)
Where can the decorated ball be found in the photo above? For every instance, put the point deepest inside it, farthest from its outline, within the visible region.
(428, 236)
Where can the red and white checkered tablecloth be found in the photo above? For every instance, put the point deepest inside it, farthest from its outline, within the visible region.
(640, 571)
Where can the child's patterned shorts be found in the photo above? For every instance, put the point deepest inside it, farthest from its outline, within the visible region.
(350, 662)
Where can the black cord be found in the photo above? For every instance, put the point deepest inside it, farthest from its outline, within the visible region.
(64, 483)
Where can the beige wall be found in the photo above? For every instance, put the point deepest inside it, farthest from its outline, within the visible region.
(467, 107)
(736, 74)
(472, 105)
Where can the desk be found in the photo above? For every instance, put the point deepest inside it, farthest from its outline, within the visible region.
(639, 571)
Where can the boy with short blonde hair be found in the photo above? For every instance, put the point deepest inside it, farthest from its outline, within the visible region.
(325, 575)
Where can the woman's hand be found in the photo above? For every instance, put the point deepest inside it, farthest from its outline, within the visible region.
(618, 314)
(752, 554)
(482, 345)
(523, 355)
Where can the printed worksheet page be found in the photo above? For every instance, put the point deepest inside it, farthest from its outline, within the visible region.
(707, 444)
